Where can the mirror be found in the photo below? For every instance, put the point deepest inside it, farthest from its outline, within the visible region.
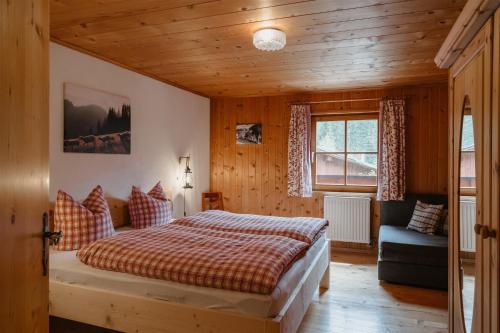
(467, 213)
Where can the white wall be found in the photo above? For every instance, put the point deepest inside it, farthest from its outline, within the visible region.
(167, 122)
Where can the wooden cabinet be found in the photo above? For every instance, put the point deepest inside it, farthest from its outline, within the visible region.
(474, 90)
(471, 89)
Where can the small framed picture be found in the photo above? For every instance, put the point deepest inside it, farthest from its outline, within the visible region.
(249, 134)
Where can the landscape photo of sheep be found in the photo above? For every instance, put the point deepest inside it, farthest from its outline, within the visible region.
(95, 121)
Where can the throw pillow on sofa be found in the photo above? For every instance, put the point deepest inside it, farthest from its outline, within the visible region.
(426, 218)
(443, 223)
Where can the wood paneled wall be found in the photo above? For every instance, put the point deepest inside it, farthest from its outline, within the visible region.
(253, 178)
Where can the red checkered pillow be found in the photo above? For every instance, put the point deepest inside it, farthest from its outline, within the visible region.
(149, 209)
(82, 223)
(158, 193)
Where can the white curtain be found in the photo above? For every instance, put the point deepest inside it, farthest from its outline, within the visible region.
(299, 152)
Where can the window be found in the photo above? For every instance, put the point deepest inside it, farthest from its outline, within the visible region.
(346, 151)
(467, 155)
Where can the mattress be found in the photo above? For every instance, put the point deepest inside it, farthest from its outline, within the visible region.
(66, 268)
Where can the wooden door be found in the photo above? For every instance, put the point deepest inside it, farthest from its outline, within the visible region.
(495, 166)
(471, 79)
(24, 35)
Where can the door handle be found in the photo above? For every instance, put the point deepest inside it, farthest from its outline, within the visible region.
(52, 237)
(484, 231)
(487, 232)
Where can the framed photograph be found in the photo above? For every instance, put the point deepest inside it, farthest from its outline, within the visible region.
(249, 134)
(95, 121)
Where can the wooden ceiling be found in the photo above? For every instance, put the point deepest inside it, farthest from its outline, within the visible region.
(205, 46)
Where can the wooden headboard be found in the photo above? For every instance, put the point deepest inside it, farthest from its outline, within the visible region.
(119, 212)
(117, 207)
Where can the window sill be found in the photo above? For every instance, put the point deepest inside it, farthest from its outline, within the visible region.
(353, 189)
(471, 192)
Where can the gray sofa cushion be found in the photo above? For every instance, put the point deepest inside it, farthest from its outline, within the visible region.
(397, 244)
(400, 212)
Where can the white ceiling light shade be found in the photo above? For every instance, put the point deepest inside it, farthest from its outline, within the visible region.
(269, 39)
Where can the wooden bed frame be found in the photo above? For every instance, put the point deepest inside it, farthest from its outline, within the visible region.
(127, 313)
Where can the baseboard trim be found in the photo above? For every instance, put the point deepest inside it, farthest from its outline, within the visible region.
(336, 246)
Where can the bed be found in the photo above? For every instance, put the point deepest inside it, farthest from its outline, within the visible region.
(130, 303)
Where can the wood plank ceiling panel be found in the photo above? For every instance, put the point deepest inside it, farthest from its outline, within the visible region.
(205, 46)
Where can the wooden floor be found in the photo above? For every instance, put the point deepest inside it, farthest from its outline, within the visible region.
(468, 293)
(358, 302)
(355, 302)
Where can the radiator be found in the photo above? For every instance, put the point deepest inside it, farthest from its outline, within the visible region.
(349, 217)
(467, 221)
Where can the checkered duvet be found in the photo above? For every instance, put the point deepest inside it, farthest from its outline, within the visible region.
(196, 256)
(305, 229)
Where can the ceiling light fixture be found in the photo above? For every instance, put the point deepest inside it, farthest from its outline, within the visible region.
(269, 39)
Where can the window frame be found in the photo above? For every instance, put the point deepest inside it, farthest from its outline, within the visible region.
(467, 191)
(342, 117)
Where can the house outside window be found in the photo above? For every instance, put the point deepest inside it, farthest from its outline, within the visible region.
(468, 157)
(345, 152)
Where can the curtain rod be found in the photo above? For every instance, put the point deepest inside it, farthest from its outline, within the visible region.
(349, 100)
(342, 112)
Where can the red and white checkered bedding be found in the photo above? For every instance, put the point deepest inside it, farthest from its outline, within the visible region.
(305, 229)
(149, 209)
(82, 223)
(201, 257)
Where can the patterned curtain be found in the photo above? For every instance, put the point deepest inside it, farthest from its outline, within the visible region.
(391, 173)
(299, 152)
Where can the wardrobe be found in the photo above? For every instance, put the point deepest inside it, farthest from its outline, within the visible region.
(471, 53)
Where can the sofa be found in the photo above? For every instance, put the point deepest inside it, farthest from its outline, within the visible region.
(407, 256)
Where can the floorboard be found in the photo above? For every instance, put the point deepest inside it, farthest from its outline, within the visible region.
(358, 302)
(355, 302)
